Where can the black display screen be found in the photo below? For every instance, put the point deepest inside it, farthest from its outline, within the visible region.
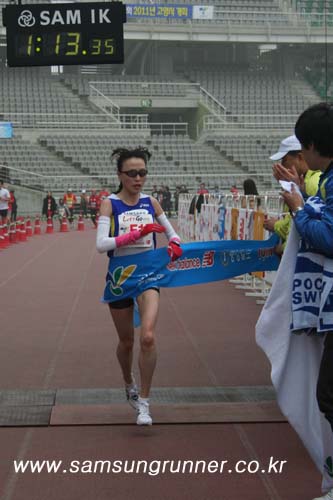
(43, 35)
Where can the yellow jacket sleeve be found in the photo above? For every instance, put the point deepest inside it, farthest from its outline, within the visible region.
(311, 182)
(282, 227)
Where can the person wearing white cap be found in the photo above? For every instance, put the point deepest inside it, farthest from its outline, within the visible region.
(287, 145)
(291, 167)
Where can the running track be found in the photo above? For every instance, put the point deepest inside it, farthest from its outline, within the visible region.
(56, 336)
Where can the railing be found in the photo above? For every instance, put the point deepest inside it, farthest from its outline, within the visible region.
(213, 104)
(211, 221)
(42, 179)
(246, 122)
(180, 128)
(59, 120)
(160, 89)
(146, 89)
(314, 19)
(130, 121)
(108, 107)
(74, 121)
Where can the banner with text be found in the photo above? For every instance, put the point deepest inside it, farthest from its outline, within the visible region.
(201, 262)
(159, 11)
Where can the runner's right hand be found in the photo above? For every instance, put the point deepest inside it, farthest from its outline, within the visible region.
(152, 228)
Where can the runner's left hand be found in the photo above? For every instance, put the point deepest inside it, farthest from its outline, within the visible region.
(174, 250)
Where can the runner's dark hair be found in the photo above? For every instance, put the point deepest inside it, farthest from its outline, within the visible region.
(122, 154)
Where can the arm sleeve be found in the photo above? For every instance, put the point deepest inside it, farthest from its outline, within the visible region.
(318, 233)
(169, 230)
(103, 242)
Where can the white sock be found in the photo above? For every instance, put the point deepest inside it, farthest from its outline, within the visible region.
(130, 386)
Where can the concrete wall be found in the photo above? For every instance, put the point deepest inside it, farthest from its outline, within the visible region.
(29, 201)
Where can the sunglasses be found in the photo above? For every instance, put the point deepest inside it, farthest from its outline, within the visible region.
(133, 173)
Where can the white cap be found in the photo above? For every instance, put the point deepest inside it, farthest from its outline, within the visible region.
(291, 143)
(83, 191)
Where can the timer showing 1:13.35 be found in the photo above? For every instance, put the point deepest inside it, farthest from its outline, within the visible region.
(64, 44)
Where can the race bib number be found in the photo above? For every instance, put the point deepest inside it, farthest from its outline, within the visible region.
(136, 219)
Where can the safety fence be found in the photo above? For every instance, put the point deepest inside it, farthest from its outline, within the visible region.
(231, 217)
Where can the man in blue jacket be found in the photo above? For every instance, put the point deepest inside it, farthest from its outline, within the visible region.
(314, 130)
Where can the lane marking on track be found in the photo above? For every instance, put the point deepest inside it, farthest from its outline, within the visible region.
(10, 485)
(53, 362)
(192, 341)
(27, 264)
(265, 479)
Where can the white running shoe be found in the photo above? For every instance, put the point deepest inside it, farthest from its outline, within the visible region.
(328, 496)
(132, 395)
(144, 417)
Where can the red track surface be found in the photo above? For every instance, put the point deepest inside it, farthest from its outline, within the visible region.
(56, 334)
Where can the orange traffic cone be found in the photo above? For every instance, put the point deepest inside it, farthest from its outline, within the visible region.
(17, 235)
(6, 235)
(12, 233)
(37, 229)
(21, 233)
(18, 230)
(49, 226)
(63, 225)
(2, 238)
(28, 227)
(80, 223)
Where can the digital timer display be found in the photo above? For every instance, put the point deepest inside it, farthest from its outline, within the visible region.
(63, 44)
(46, 34)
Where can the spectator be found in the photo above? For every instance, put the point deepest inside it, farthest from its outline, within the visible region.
(93, 206)
(69, 200)
(167, 204)
(102, 195)
(176, 197)
(183, 189)
(160, 196)
(13, 206)
(4, 202)
(202, 189)
(234, 191)
(250, 192)
(292, 167)
(83, 203)
(63, 210)
(49, 205)
(154, 192)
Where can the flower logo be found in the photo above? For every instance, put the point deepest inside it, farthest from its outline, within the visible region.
(26, 19)
(118, 277)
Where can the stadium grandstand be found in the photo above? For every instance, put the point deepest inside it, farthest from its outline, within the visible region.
(211, 95)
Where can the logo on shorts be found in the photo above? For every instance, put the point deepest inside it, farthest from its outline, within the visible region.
(118, 278)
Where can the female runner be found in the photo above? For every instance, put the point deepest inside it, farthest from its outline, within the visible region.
(124, 208)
